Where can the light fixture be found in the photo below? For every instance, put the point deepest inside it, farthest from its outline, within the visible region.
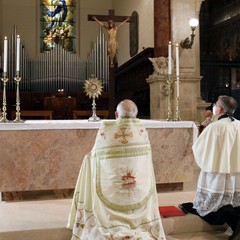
(187, 43)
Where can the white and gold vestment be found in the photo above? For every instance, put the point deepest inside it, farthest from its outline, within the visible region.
(115, 196)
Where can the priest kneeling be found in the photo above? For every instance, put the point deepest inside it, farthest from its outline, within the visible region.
(115, 196)
(217, 153)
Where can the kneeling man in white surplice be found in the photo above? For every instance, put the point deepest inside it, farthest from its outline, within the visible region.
(115, 196)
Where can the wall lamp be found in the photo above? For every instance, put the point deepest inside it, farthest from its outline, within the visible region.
(187, 43)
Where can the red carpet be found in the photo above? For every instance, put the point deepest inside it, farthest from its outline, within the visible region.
(170, 211)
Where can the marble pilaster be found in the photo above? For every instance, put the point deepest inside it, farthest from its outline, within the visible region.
(158, 96)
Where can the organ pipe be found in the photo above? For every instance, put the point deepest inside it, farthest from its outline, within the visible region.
(98, 62)
(52, 70)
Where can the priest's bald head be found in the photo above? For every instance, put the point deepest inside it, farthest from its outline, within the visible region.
(126, 109)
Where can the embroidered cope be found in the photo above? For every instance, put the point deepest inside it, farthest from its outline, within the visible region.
(115, 195)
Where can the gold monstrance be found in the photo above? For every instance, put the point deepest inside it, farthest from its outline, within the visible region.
(93, 88)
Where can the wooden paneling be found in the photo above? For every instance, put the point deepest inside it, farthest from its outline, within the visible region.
(131, 81)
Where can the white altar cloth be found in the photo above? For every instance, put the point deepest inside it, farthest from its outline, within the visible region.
(85, 124)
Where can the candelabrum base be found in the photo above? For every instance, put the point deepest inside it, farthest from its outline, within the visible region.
(177, 117)
(4, 105)
(94, 119)
(3, 120)
(169, 99)
(18, 120)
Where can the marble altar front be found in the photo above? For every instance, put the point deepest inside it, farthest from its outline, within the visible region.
(47, 154)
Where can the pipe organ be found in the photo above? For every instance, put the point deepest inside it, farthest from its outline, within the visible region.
(98, 61)
(58, 68)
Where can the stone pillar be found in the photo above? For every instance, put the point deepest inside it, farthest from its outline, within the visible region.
(162, 27)
(158, 96)
(189, 58)
(189, 62)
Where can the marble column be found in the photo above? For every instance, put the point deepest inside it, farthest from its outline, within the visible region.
(175, 30)
(162, 27)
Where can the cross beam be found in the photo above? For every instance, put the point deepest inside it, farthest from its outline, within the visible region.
(105, 18)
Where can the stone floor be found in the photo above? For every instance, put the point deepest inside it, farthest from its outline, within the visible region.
(45, 219)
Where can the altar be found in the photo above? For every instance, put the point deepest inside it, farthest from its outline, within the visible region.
(47, 154)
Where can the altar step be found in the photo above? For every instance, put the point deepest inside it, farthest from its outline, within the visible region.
(35, 220)
(37, 234)
(188, 227)
(46, 220)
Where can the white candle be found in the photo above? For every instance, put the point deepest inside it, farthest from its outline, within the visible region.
(18, 55)
(177, 60)
(169, 58)
(5, 53)
(177, 68)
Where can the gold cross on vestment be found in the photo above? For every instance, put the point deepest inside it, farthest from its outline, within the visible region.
(124, 135)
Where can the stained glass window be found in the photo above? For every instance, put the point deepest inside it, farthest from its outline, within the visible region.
(57, 24)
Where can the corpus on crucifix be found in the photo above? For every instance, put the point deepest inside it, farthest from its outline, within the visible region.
(111, 29)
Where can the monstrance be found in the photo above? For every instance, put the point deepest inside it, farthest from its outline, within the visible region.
(93, 88)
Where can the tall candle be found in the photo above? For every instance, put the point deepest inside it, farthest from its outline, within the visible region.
(177, 68)
(177, 60)
(5, 53)
(18, 55)
(169, 58)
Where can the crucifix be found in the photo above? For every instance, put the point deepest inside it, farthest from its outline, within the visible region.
(111, 29)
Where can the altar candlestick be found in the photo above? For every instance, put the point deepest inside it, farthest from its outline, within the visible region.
(169, 58)
(18, 55)
(178, 87)
(177, 68)
(5, 55)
